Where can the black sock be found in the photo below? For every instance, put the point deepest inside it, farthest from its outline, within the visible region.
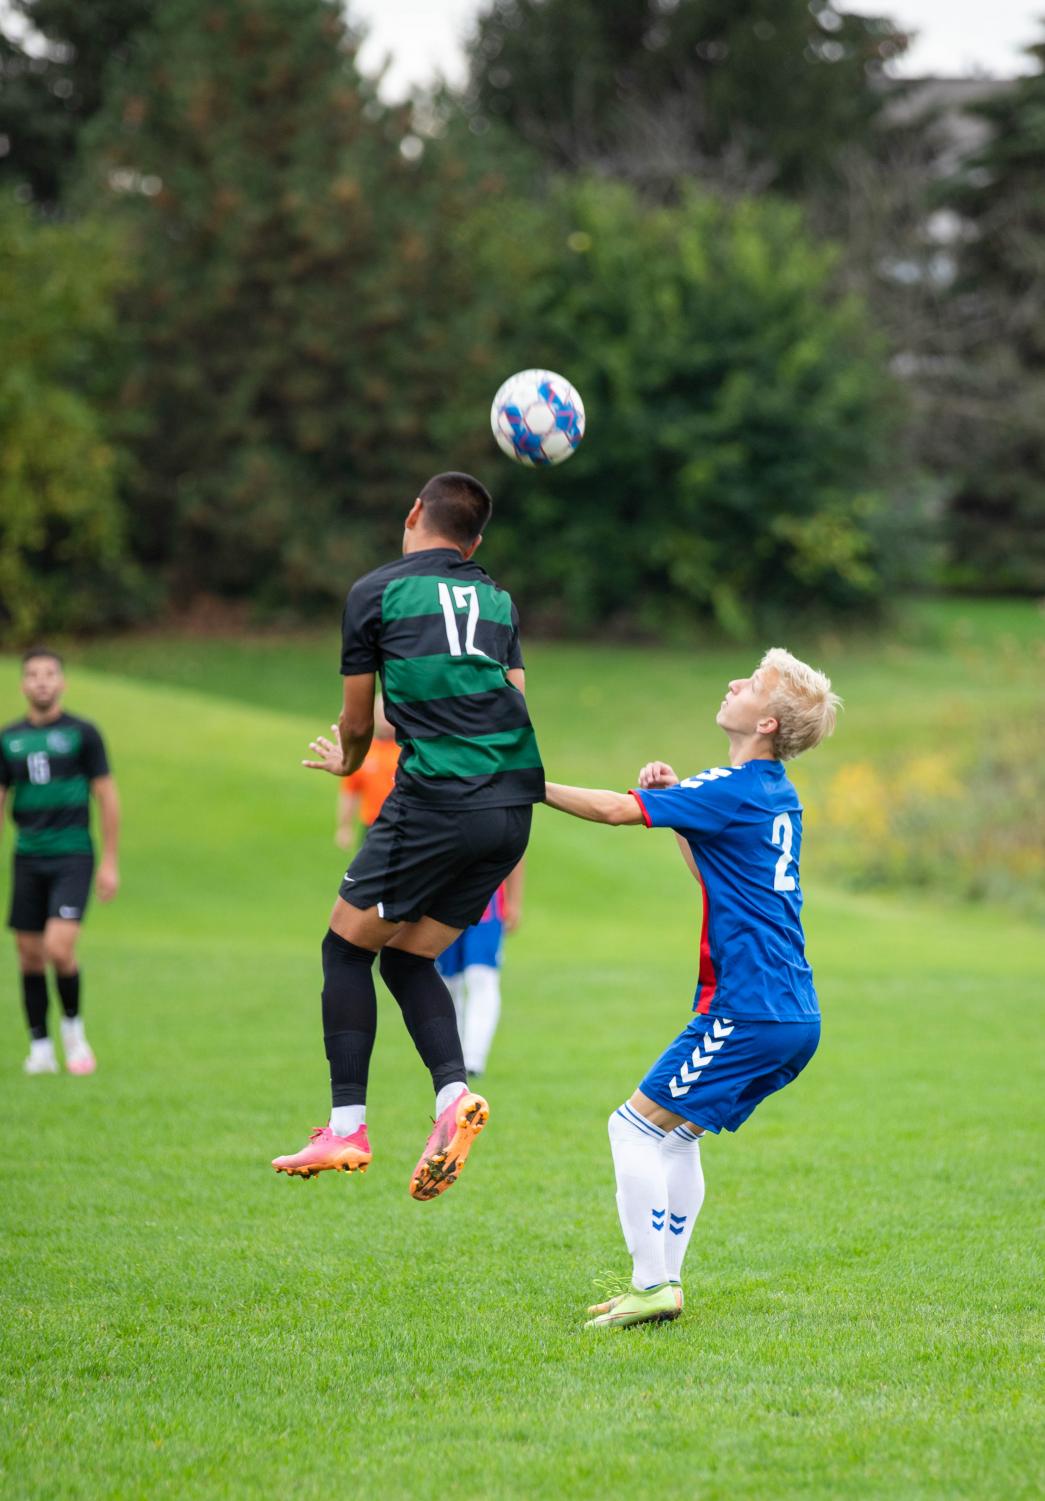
(428, 1012)
(349, 1017)
(69, 993)
(34, 995)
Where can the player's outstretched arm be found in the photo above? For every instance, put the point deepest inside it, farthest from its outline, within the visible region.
(352, 734)
(595, 806)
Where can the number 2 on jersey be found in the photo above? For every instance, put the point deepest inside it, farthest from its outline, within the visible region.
(783, 836)
(463, 594)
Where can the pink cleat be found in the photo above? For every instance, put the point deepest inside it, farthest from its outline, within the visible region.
(78, 1056)
(449, 1144)
(325, 1150)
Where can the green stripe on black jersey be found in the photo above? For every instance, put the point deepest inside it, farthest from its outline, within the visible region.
(443, 636)
(425, 678)
(70, 792)
(405, 597)
(450, 756)
(73, 840)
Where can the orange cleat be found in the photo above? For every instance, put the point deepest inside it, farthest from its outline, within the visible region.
(449, 1144)
(344, 1154)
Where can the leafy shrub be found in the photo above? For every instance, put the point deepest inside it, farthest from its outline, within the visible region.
(63, 562)
(740, 422)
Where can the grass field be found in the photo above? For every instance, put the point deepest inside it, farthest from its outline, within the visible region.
(863, 1317)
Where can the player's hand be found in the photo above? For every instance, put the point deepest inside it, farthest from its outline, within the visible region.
(511, 917)
(343, 839)
(107, 881)
(657, 774)
(330, 756)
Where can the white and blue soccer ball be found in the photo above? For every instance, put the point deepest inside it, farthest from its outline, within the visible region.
(537, 418)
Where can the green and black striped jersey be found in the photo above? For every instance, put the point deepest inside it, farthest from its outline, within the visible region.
(49, 768)
(443, 635)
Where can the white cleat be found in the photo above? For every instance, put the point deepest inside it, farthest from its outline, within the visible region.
(42, 1059)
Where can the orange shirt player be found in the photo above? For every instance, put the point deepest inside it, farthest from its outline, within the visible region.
(364, 792)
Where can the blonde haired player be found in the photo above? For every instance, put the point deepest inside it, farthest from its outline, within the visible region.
(757, 1021)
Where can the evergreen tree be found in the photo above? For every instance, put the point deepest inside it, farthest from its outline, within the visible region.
(654, 89)
(993, 404)
(52, 84)
(299, 327)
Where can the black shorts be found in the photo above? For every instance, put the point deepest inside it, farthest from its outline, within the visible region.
(45, 886)
(444, 863)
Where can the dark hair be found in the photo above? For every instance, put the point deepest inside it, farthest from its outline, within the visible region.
(42, 651)
(457, 507)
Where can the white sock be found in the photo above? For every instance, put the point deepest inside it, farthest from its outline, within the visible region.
(72, 1031)
(642, 1193)
(482, 1015)
(455, 985)
(345, 1120)
(41, 1047)
(447, 1095)
(680, 1154)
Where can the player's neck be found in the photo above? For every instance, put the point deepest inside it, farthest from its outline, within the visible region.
(45, 716)
(426, 542)
(743, 748)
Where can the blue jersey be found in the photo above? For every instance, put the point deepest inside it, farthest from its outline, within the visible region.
(743, 825)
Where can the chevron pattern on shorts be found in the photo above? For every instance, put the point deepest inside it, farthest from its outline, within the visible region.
(690, 1071)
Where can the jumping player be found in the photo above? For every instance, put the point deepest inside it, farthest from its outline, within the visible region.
(53, 763)
(364, 792)
(444, 639)
(757, 1021)
(471, 967)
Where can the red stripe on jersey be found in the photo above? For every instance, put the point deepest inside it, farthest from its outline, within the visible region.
(707, 979)
(642, 807)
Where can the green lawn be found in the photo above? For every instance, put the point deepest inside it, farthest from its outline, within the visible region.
(861, 1290)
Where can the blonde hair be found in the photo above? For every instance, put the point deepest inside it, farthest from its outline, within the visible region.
(801, 701)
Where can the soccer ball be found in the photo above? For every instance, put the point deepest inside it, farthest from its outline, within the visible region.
(537, 418)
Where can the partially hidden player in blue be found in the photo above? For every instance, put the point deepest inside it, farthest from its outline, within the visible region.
(757, 1020)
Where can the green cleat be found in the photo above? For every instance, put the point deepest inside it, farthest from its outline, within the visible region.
(635, 1307)
(615, 1290)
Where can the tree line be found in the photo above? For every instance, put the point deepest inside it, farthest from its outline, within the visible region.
(249, 307)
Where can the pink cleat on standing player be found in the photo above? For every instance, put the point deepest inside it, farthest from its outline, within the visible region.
(79, 1059)
(344, 1154)
(82, 1061)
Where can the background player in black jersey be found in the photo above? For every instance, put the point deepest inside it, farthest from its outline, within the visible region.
(444, 639)
(51, 764)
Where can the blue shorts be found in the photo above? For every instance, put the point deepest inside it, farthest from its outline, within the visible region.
(717, 1071)
(480, 944)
